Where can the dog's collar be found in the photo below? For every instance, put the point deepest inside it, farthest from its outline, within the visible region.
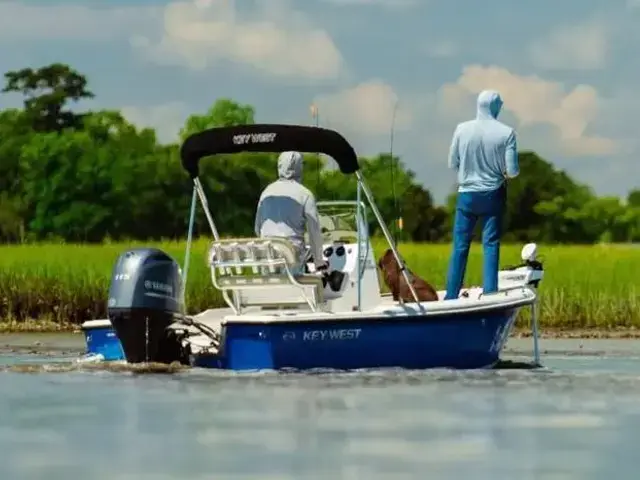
(409, 273)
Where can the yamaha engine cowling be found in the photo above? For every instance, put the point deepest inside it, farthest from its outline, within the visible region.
(144, 296)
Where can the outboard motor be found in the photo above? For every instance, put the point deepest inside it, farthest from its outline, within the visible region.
(144, 296)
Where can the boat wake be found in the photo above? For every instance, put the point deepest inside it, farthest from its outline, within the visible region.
(161, 368)
(114, 367)
(512, 375)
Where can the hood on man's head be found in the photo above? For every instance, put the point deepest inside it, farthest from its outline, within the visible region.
(489, 104)
(290, 166)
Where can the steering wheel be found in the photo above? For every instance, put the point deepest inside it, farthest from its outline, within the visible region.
(308, 257)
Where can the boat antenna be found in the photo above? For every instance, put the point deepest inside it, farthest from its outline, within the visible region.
(316, 120)
(396, 212)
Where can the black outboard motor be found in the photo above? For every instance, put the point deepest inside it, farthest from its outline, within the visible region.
(144, 296)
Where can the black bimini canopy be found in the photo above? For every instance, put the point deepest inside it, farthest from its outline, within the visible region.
(268, 138)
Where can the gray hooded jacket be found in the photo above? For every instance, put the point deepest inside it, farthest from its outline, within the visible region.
(286, 205)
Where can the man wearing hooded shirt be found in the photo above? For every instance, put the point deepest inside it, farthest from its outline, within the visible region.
(484, 154)
(285, 207)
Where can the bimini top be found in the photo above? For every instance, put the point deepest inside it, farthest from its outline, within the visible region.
(267, 138)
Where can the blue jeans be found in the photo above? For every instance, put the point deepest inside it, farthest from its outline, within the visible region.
(488, 207)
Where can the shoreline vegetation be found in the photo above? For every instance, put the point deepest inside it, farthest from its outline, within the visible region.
(587, 292)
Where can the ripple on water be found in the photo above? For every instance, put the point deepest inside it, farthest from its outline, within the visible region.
(159, 421)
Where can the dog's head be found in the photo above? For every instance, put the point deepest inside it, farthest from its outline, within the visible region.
(388, 262)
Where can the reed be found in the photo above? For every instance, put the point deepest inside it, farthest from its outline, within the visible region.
(586, 287)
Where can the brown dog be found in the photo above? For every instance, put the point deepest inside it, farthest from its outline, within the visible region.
(398, 285)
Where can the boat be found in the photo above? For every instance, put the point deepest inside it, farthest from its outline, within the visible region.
(277, 320)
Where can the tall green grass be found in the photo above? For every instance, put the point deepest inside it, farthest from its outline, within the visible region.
(585, 286)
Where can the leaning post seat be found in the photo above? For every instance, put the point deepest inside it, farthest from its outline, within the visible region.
(261, 272)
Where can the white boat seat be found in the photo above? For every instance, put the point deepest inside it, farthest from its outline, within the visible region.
(260, 272)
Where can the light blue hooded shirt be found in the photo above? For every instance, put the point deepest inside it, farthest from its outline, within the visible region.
(286, 206)
(483, 151)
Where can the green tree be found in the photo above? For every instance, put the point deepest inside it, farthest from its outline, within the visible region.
(47, 91)
(540, 202)
(633, 199)
(14, 132)
(12, 228)
(223, 113)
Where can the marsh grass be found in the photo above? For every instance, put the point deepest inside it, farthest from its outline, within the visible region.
(586, 287)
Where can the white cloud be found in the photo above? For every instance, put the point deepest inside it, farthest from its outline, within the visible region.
(367, 109)
(274, 39)
(573, 47)
(534, 101)
(167, 119)
(21, 21)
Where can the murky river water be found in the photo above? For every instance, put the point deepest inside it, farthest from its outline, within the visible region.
(578, 419)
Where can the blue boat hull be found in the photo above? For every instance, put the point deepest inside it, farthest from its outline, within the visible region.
(103, 341)
(461, 341)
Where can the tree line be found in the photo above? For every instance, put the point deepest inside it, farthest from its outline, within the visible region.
(93, 176)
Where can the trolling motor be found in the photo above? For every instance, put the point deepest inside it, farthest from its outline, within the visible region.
(144, 299)
(529, 272)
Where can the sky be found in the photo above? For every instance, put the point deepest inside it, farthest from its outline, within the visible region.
(567, 70)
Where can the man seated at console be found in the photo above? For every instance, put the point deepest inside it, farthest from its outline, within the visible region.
(284, 208)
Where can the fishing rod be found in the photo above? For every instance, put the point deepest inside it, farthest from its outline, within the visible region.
(396, 210)
(316, 118)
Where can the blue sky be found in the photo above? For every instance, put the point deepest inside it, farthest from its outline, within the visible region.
(567, 69)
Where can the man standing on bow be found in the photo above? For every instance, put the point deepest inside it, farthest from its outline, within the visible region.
(484, 154)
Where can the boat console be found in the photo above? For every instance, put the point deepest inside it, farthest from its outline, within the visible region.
(342, 259)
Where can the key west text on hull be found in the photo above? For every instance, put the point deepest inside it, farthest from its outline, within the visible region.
(277, 319)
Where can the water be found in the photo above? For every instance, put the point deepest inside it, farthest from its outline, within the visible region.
(579, 419)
